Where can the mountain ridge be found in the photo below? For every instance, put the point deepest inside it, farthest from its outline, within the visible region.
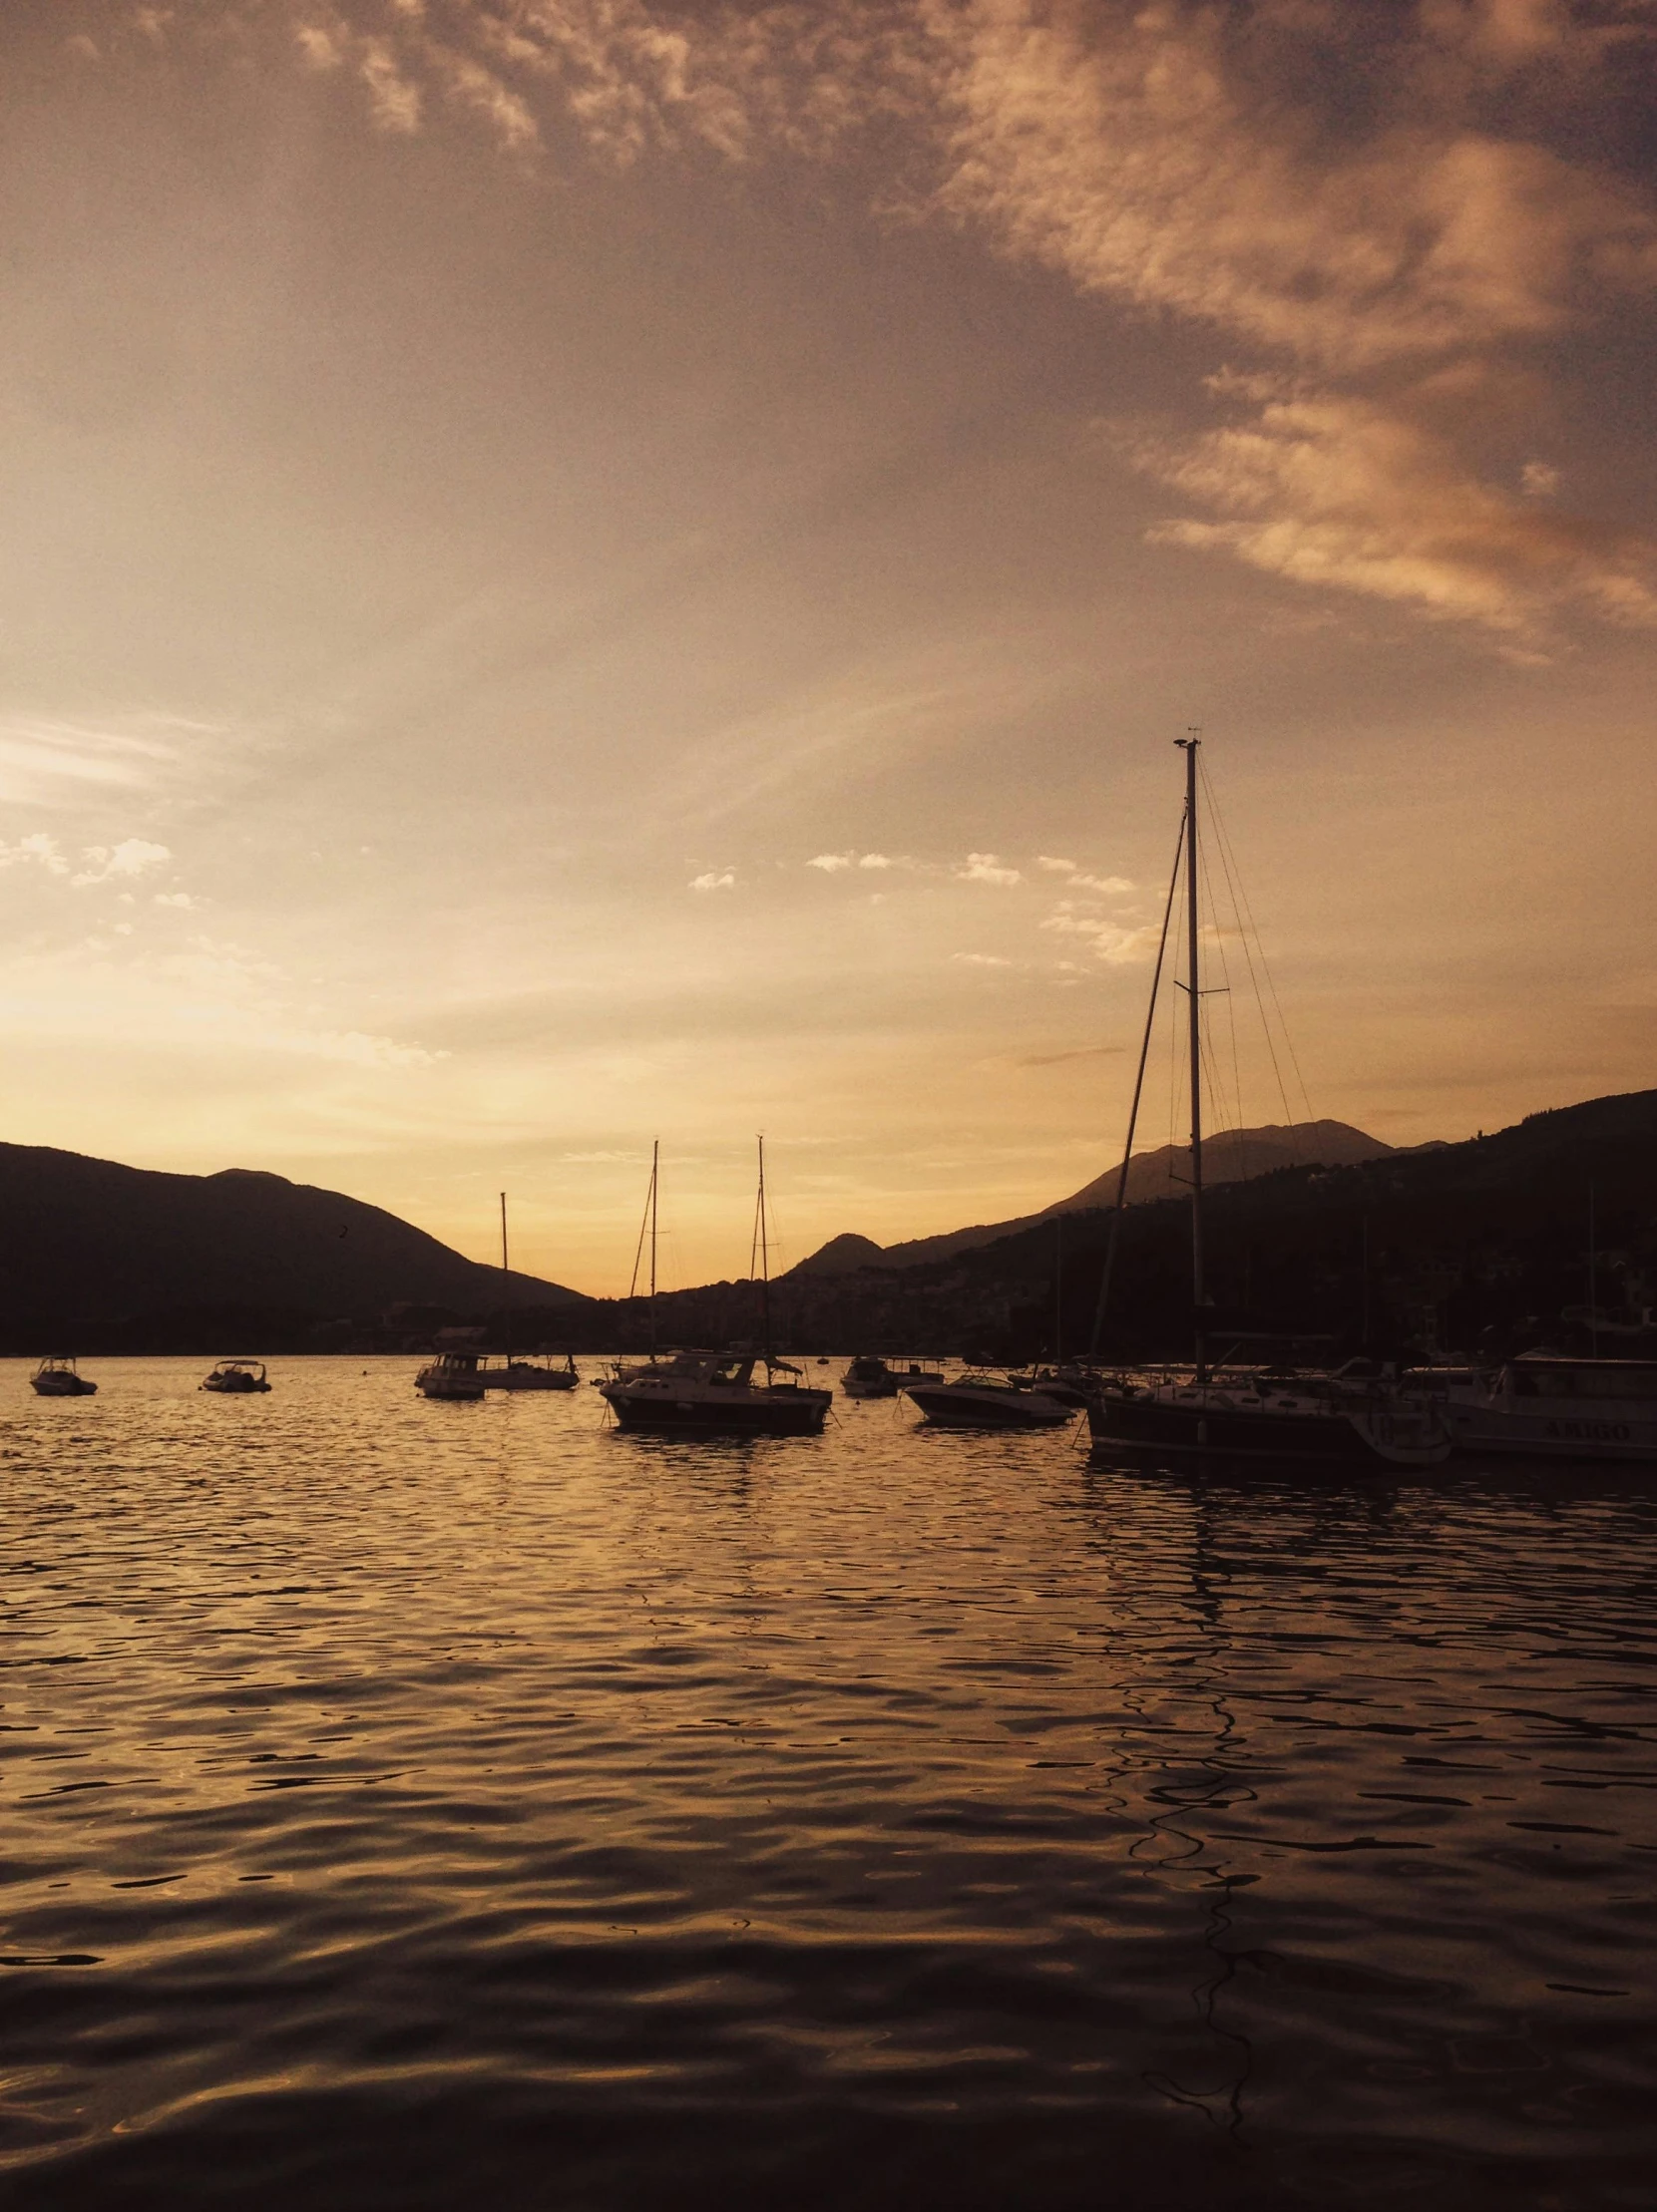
(100, 1241)
(1229, 1156)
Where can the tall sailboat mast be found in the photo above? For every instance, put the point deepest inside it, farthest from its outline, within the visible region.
(506, 1283)
(764, 1262)
(1189, 744)
(656, 1158)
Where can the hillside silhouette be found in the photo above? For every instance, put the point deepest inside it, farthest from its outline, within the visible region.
(86, 1244)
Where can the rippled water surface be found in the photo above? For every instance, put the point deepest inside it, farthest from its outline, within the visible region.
(415, 1805)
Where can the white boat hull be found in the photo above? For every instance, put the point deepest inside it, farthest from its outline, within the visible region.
(1537, 1431)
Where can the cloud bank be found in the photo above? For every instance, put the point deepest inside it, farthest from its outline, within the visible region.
(1389, 211)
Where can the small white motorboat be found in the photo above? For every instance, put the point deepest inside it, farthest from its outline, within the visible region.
(237, 1378)
(58, 1377)
(452, 1375)
(986, 1402)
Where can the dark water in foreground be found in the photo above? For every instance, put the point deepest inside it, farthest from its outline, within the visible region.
(412, 1806)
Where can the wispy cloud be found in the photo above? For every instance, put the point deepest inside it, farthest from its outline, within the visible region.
(1369, 197)
(1336, 489)
(714, 879)
(980, 960)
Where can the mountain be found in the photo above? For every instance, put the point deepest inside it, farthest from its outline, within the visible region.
(1544, 1232)
(842, 1256)
(95, 1242)
(1230, 1156)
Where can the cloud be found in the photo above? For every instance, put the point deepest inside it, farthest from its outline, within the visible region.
(985, 868)
(1116, 943)
(1139, 151)
(37, 847)
(831, 863)
(713, 880)
(172, 899)
(1365, 196)
(980, 960)
(876, 860)
(134, 856)
(1058, 867)
(1339, 491)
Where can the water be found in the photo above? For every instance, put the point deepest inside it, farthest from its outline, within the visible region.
(415, 1805)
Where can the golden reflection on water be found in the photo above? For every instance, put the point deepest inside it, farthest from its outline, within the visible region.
(414, 1802)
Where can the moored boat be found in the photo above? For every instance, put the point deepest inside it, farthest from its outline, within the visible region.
(987, 1401)
(59, 1377)
(1282, 1418)
(1218, 1416)
(711, 1392)
(237, 1378)
(716, 1393)
(453, 1375)
(530, 1374)
(878, 1379)
(1542, 1405)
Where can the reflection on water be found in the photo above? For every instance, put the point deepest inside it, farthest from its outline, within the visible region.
(419, 1805)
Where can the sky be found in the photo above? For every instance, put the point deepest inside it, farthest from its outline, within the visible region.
(579, 571)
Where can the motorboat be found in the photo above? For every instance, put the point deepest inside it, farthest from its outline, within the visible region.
(1071, 1384)
(877, 1379)
(716, 1393)
(530, 1374)
(1543, 1405)
(58, 1377)
(986, 1402)
(1284, 1417)
(453, 1375)
(1356, 1417)
(237, 1378)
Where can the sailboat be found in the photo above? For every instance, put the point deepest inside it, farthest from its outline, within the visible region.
(1285, 1418)
(522, 1374)
(716, 1393)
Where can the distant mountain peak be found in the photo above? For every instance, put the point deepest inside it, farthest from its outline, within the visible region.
(842, 1255)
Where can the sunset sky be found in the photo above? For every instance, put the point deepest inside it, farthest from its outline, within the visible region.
(578, 570)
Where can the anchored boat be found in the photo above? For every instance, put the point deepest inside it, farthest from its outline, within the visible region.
(875, 1378)
(716, 1393)
(1207, 1416)
(987, 1401)
(237, 1378)
(1545, 1406)
(58, 1377)
(452, 1374)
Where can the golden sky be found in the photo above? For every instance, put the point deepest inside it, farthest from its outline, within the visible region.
(578, 570)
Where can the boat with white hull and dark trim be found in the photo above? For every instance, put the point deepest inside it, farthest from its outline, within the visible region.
(714, 1394)
(1211, 1416)
(1544, 1406)
(986, 1402)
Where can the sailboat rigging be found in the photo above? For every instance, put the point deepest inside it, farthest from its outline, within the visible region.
(1238, 1414)
(514, 1374)
(713, 1392)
